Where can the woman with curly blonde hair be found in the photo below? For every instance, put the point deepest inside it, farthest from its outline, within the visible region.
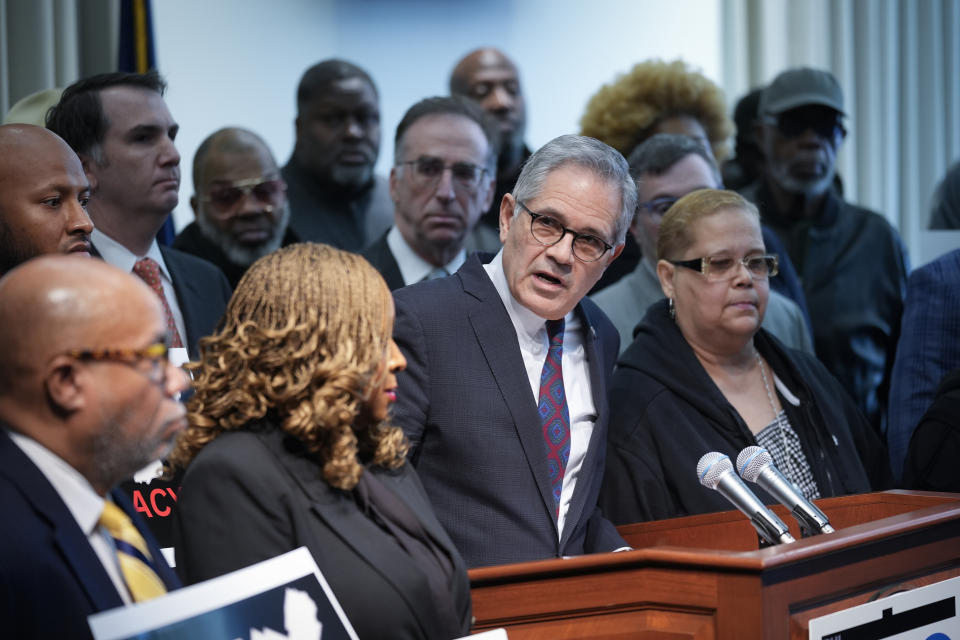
(659, 97)
(290, 444)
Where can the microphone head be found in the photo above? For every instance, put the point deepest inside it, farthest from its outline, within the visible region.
(752, 461)
(711, 467)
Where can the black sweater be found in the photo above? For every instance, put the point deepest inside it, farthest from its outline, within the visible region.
(666, 412)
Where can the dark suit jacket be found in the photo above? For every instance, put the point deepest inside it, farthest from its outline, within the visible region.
(251, 495)
(51, 579)
(465, 403)
(380, 256)
(202, 293)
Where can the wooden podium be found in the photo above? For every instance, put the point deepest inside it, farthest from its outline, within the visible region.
(704, 576)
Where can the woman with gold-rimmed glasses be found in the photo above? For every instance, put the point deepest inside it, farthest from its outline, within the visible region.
(703, 376)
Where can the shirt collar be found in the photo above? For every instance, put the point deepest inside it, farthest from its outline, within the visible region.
(413, 268)
(526, 322)
(119, 256)
(75, 490)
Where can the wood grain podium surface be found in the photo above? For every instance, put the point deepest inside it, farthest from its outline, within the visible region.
(704, 577)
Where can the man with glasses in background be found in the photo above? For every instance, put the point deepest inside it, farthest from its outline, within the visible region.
(239, 202)
(667, 167)
(851, 262)
(504, 398)
(87, 397)
(442, 182)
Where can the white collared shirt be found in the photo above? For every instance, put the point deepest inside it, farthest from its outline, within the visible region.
(82, 502)
(413, 268)
(119, 256)
(534, 344)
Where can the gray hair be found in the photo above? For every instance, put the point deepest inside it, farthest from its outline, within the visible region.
(589, 153)
(657, 155)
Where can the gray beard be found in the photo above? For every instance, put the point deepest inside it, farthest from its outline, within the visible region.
(809, 188)
(351, 177)
(241, 254)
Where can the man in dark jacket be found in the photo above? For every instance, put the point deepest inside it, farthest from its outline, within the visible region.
(852, 263)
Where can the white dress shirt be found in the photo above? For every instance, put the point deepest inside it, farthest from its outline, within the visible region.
(413, 268)
(534, 344)
(82, 502)
(119, 256)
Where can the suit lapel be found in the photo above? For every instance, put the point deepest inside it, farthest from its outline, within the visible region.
(598, 390)
(71, 542)
(501, 350)
(341, 515)
(187, 291)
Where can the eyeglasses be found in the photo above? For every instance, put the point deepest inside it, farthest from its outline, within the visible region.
(658, 206)
(548, 232)
(225, 198)
(721, 268)
(427, 172)
(824, 121)
(156, 354)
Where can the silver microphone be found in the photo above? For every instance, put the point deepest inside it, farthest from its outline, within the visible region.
(755, 464)
(716, 472)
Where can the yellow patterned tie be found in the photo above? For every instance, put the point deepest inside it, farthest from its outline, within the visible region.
(133, 554)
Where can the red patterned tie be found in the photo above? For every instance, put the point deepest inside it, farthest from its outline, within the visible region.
(552, 407)
(149, 271)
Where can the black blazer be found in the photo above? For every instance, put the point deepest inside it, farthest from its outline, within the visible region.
(51, 579)
(249, 496)
(465, 403)
(381, 257)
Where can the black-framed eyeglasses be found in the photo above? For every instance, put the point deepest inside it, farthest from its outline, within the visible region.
(427, 171)
(224, 198)
(658, 206)
(824, 121)
(548, 232)
(156, 354)
(721, 268)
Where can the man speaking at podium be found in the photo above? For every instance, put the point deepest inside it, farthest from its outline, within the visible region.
(505, 394)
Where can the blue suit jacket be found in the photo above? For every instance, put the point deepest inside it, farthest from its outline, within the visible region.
(51, 579)
(928, 349)
(465, 403)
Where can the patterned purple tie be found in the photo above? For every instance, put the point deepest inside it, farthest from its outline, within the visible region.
(552, 407)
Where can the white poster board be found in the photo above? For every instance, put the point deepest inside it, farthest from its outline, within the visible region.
(924, 613)
(282, 598)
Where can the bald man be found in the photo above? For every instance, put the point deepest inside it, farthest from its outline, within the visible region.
(239, 203)
(489, 78)
(87, 397)
(45, 194)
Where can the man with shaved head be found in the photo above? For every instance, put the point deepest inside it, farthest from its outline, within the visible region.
(45, 193)
(239, 202)
(87, 397)
(489, 78)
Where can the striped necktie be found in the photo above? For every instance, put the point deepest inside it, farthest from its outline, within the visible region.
(553, 410)
(149, 272)
(133, 554)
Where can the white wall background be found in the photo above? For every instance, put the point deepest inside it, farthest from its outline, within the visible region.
(238, 62)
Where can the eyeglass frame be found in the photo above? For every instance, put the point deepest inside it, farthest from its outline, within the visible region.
(447, 165)
(837, 128)
(702, 265)
(246, 188)
(565, 230)
(158, 353)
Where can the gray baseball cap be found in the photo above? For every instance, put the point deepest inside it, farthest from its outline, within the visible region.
(799, 88)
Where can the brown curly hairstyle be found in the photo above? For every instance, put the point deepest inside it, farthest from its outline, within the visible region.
(303, 338)
(627, 111)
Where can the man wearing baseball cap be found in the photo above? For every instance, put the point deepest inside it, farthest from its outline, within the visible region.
(851, 262)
